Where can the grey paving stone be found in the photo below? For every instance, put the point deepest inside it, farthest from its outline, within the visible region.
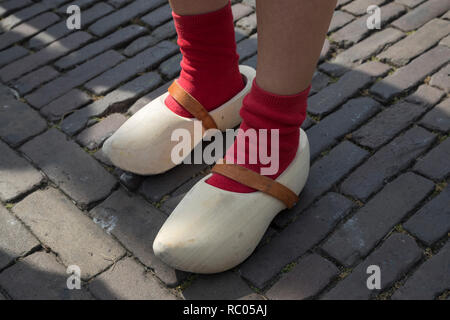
(240, 10)
(25, 14)
(394, 258)
(432, 221)
(387, 162)
(410, 3)
(434, 164)
(128, 280)
(438, 118)
(441, 79)
(165, 31)
(387, 124)
(115, 39)
(116, 101)
(60, 225)
(324, 174)
(412, 74)
(171, 203)
(319, 81)
(420, 41)
(19, 122)
(347, 118)
(357, 29)
(60, 29)
(425, 96)
(221, 286)
(39, 277)
(430, 280)
(445, 41)
(306, 279)
(81, 3)
(142, 102)
(248, 47)
(362, 51)
(74, 78)
(34, 79)
(94, 136)
(69, 167)
(15, 239)
(340, 19)
(346, 87)
(42, 57)
(119, 17)
(7, 93)
(129, 68)
(171, 67)
(296, 239)
(340, 3)
(157, 186)
(158, 16)
(422, 14)
(359, 7)
(252, 61)
(135, 223)
(130, 180)
(12, 5)
(119, 3)
(65, 104)
(27, 29)
(11, 54)
(17, 176)
(239, 34)
(247, 24)
(357, 236)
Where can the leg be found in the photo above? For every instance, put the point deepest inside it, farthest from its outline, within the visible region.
(291, 34)
(209, 68)
(193, 7)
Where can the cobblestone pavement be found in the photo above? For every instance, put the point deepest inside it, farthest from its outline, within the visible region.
(378, 193)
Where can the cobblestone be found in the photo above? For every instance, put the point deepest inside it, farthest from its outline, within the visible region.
(60, 225)
(135, 224)
(429, 280)
(69, 167)
(39, 277)
(438, 118)
(357, 236)
(15, 239)
(412, 74)
(386, 162)
(394, 258)
(17, 175)
(432, 221)
(377, 191)
(417, 43)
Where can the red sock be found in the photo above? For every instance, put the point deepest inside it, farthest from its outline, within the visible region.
(264, 110)
(210, 64)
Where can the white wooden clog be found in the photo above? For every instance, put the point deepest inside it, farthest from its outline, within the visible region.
(213, 230)
(143, 143)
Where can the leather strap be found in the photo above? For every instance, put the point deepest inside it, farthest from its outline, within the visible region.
(192, 105)
(256, 181)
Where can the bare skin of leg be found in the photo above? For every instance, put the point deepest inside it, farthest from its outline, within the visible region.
(192, 7)
(291, 34)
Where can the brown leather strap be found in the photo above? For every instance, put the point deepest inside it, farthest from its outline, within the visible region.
(192, 105)
(256, 181)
